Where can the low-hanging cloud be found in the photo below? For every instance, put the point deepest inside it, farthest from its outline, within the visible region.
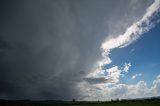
(99, 80)
(121, 91)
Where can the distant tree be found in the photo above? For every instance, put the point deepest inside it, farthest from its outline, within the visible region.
(74, 100)
(117, 100)
(112, 100)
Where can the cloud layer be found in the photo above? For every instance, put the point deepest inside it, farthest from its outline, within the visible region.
(121, 91)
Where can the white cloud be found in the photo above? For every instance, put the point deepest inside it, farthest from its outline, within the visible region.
(121, 91)
(155, 89)
(132, 33)
(114, 91)
(110, 75)
(136, 75)
(114, 74)
(158, 76)
(126, 67)
(106, 60)
(105, 91)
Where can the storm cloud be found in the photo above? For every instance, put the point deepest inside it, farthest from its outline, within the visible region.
(47, 47)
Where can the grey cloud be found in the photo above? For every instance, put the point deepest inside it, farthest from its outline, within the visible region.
(92, 80)
(47, 47)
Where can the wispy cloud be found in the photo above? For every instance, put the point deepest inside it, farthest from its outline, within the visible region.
(126, 67)
(136, 75)
(158, 77)
(132, 50)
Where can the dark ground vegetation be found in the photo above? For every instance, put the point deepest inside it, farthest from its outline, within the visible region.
(134, 102)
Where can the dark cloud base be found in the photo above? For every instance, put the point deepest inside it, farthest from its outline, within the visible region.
(48, 47)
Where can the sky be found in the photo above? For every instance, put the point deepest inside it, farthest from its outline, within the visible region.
(82, 49)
